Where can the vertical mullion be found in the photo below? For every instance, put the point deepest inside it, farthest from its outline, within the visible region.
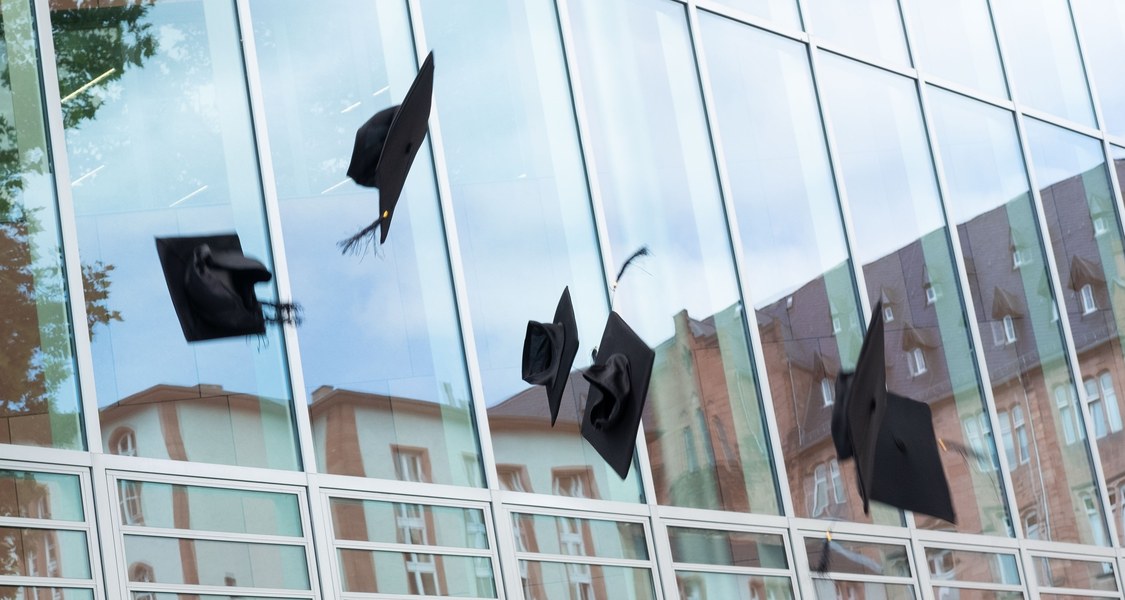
(1056, 287)
(953, 238)
(323, 537)
(274, 231)
(757, 358)
(68, 228)
(471, 362)
(596, 207)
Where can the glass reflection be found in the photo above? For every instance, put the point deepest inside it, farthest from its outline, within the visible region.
(960, 593)
(573, 536)
(160, 144)
(43, 553)
(1024, 349)
(795, 255)
(829, 590)
(964, 565)
(1041, 55)
(783, 12)
(954, 39)
(30, 495)
(872, 28)
(1101, 24)
(39, 403)
(727, 548)
(697, 586)
(1086, 241)
(401, 523)
(517, 181)
(1080, 574)
(380, 346)
(857, 558)
(416, 574)
(166, 506)
(38, 593)
(215, 563)
(900, 240)
(703, 422)
(566, 581)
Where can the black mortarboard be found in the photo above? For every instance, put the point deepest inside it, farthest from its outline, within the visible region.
(212, 286)
(860, 403)
(618, 389)
(385, 147)
(548, 352)
(908, 471)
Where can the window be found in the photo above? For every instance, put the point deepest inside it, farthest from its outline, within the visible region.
(1088, 304)
(132, 511)
(820, 490)
(1009, 329)
(410, 464)
(998, 338)
(1109, 396)
(1031, 526)
(573, 543)
(123, 442)
(837, 482)
(1068, 416)
(1006, 437)
(932, 293)
(513, 478)
(1100, 226)
(1093, 517)
(978, 432)
(1097, 408)
(916, 362)
(836, 327)
(1020, 258)
(888, 313)
(1021, 435)
(573, 483)
(142, 573)
(826, 391)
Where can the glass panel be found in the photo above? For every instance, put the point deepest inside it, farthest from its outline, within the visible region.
(832, 590)
(947, 593)
(872, 28)
(414, 573)
(901, 241)
(1017, 316)
(1080, 574)
(649, 138)
(1101, 24)
(1071, 173)
(373, 383)
(1042, 57)
(372, 521)
(963, 565)
(208, 509)
(206, 562)
(167, 596)
(579, 537)
(160, 144)
(40, 496)
(700, 586)
(42, 593)
(954, 39)
(44, 553)
(783, 12)
(517, 181)
(562, 581)
(860, 558)
(727, 548)
(38, 382)
(1109, 382)
(794, 251)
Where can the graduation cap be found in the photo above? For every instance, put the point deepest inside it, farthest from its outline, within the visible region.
(385, 147)
(890, 436)
(549, 350)
(618, 389)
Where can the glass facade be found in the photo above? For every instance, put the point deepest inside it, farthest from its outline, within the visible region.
(787, 163)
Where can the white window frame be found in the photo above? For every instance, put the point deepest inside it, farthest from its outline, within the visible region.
(820, 490)
(1109, 395)
(827, 393)
(916, 362)
(932, 293)
(888, 313)
(1019, 427)
(1100, 226)
(1009, 329)
(1089, 303)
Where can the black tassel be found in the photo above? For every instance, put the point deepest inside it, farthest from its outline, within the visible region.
(366, 235)
(285, 313)
(824, 563)
(642, 251)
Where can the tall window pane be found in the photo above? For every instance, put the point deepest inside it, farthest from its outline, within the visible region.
(1101, 24)
(516, 177)
(380, 347)
(703, 422)
(1071, 173)
(38, 384)
(160, 144)
(872, 28)
(902, 244)
(954, 39)
(991, 201)
(788, 216)
(1042, 57)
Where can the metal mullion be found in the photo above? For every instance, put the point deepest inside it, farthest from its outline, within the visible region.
(976, 585)
(969, 92)
(973, 542)
(731, 570)
(210, 536)
(1079, 592)
(386, 596)
(53, 582)
(741, 274)
(1091, 88)
(922, 573)
(274, 230)
(597, 210)
(1070, 551)
(878, 63)
(868, 532)
(43, 459)
(320, 529)
(735, 14)
(799, 559)
(459, 284)
(506, 547)
(304, 513)
(953, 239)
(393, 497)
(403, 548)
(594, 561)
(159, 469)
(218, 590)
(347, 486)
(588, 513)
(891, 579)
(1059, 121)
(44, 524)
(93, 539)
(695, 521)
(206, 481)
(662, 555)
(112, 544)
(68, 228)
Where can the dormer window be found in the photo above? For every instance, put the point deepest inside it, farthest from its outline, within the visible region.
(916, 362)
(1100, 226)
(1088, 303)
(888, 314)
(1020, 258)
(932, 293)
